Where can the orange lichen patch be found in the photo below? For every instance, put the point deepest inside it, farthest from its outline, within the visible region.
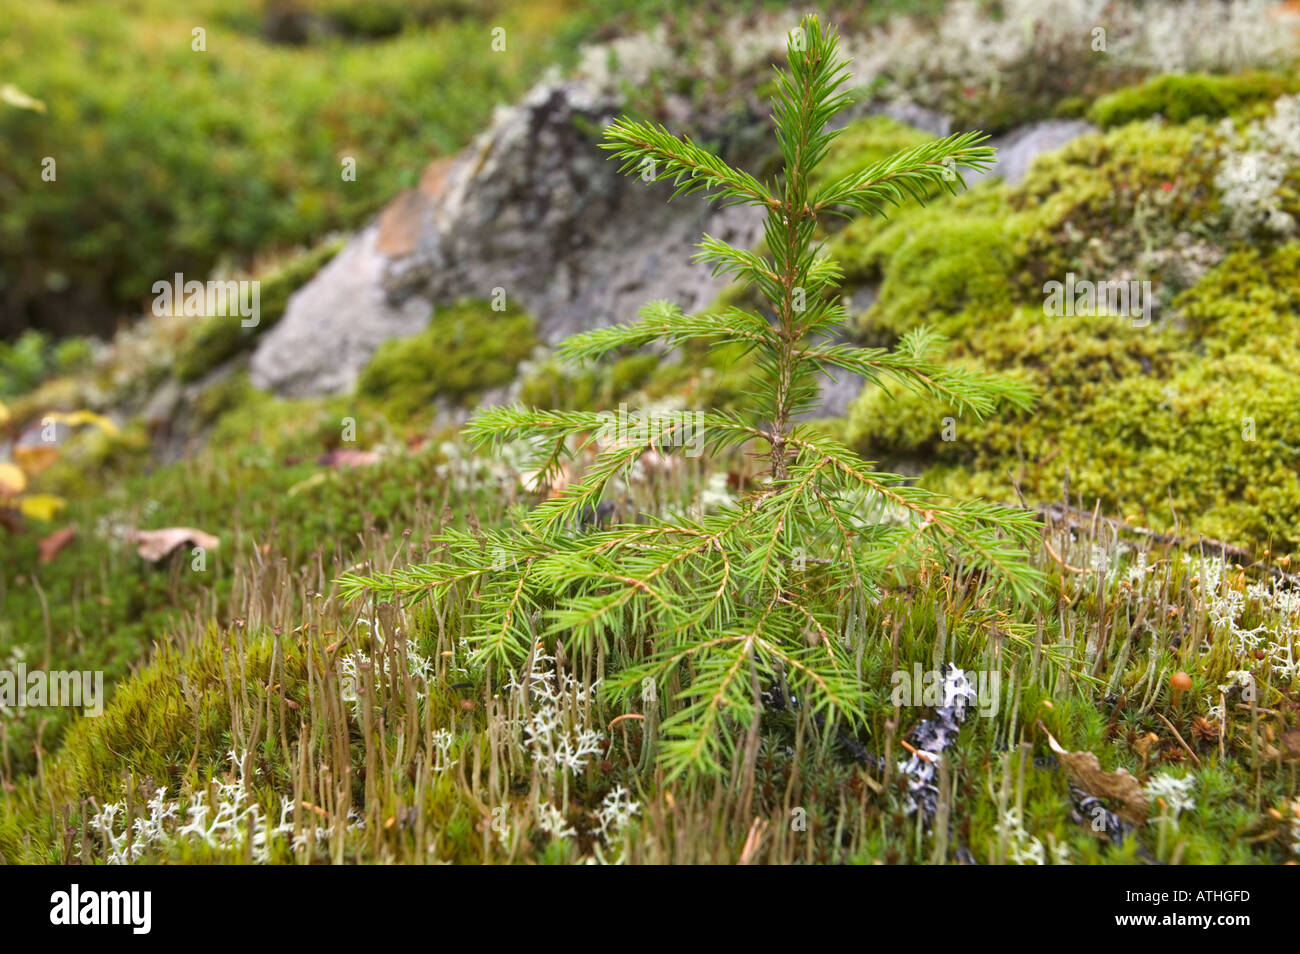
(404, 218)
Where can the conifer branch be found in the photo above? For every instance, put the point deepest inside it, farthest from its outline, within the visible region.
(655, 154)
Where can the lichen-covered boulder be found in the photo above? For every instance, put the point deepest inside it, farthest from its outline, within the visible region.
(531, 214)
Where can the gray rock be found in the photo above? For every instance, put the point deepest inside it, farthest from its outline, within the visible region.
(838, 394)
(534, 208)
(1019, 148)
(333, 324)
(537, 210)
(163, 404)
(927, 120)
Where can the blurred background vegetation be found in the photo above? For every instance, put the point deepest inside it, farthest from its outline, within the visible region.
(168, 159)
(176, 160)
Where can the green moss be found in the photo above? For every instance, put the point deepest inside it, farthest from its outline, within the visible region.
(1072, 107)
(704, 377)
(597, 386)
(1180, 98)
(1190, 422)
(701, 377)
(91, 459)
(1247, 305)
(863, 142)
(222, 397)
(72, 355)
(1146, 421)
(942, 265)
(1105, 200)
(1068, 361)
(467, 349)
(384, 18)
(266, 430)
(1212, 447)
(24, 363)
(554, 384)
(174, 711)
(865, 246)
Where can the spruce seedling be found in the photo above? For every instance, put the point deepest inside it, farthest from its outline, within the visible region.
(704, 615)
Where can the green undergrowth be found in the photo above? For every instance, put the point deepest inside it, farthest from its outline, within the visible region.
(259, 487)
(377, 741)
(196, 158)
(33, 357)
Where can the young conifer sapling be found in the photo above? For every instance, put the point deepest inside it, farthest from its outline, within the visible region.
(695, 619)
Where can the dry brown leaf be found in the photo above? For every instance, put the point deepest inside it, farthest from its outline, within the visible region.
(153, 545)
(11, 519)
(52, 545)
(1119, 786)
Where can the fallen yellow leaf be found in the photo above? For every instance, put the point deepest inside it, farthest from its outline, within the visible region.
(43, 507)
(77, 418)
(12, 479)
(12, 95)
